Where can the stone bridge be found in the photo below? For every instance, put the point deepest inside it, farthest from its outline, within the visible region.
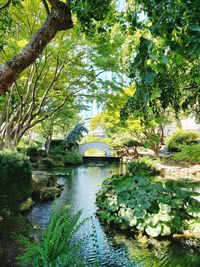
(95, 145)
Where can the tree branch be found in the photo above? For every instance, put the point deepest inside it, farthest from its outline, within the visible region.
(59, 19)
(46, 6)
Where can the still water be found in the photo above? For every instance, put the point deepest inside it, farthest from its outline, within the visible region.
(103, 247)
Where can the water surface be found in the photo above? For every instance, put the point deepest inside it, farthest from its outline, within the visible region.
(109, 248)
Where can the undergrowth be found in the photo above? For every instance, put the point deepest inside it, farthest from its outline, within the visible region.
(57, 247)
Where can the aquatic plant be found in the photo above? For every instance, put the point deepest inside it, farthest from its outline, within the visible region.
(135, 202)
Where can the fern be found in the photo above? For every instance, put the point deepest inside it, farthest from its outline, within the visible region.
(56, 248)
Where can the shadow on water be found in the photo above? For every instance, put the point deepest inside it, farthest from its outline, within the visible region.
(106, 247)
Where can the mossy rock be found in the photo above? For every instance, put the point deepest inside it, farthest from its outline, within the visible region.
(43, 179)
(48, 193)
(26, 205)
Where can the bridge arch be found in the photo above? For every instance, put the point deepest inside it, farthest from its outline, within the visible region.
(95, 145)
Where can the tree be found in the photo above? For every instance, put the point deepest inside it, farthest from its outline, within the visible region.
(127, 117)
(165, 36)
(48, 85)
(59, 17)
(63, 75)
(58, 124)
(74, 137)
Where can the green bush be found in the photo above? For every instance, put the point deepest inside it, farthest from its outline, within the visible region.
(188, 153)
(59, 144)
(56, 247)
(31, 151)
(132, 143)
(73, 157)
(181, 137)
(133, 202)
(142, 166)
(15, 180)
(57, 150)
(65, 158)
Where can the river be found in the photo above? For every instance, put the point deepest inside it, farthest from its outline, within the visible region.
(111, 248)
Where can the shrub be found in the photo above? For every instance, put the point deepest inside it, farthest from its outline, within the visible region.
(31, 151)
(142, 166)
(188, 153)
(132, 143)
(134, 202)
(65, 158)
(15, 180)
(56, 247)
(57, 150)
(73, 157)
(181, 137)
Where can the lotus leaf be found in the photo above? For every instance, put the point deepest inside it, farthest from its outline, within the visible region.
(153, 231)
(164, 217)
(142, 200)
(146, 205)
(133, 221)
(194, 209)
(153, 219)
(165, 230)
(164, 207)
(143, 181)
(139, 213)
(140, 227)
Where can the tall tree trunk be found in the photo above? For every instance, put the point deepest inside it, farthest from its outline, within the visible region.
(59, 19)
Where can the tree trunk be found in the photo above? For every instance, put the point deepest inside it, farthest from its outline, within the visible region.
(156, 151)
(59, 19)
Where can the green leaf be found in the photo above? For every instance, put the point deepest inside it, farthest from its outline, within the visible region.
(154, 231)
(195, 28)
(149, 76)
(164, 59)
(165, 230)
(194, 209)
(153, 55)
(155, 93)
(197, 79)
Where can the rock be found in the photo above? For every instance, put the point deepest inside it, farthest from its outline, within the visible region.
(45, 186)
(177, 172)
(26, 205)
(47, 193)
(41, 178)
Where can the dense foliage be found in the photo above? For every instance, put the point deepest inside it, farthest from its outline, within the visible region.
(135, 202)
(144, 165)
(56, 247)
(57, 157)
(72, 157)
(182, 137)
(187, 154)
(15, 180)
(31, 151)
(75, 136)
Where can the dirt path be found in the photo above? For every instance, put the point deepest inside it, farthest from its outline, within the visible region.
(175, 172)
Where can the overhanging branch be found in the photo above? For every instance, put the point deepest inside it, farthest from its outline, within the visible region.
(59, 19)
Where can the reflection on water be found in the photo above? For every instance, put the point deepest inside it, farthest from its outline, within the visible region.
(113, 249)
